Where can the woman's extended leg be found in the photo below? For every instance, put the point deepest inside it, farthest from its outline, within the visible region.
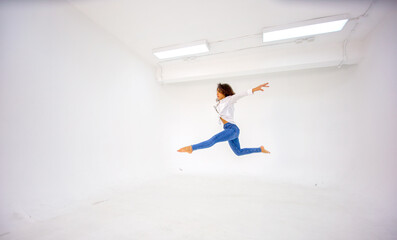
(229, 133)
(223, 136)
(235, 145)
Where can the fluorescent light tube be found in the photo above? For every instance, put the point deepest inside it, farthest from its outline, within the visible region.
(183, 50)
(308, 30)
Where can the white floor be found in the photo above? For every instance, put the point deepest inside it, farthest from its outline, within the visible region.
(188, 207)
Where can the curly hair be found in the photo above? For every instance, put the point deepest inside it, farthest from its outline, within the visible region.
(225, 89)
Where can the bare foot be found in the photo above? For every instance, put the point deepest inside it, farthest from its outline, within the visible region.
(264, 150)
(187, 149)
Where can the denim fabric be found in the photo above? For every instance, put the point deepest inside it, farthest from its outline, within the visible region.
(230, 134)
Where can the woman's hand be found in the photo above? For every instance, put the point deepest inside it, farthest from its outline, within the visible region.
(259, 88)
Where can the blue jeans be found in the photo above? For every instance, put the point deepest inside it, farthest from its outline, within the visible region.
(230, 134)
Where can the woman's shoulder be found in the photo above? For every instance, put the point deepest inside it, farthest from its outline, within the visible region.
(228, 98)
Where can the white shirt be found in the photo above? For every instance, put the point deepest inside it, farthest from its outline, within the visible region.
(225, 107)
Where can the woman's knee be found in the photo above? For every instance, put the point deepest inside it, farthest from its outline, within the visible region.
(237, 152)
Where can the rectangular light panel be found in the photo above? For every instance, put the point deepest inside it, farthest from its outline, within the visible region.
(182, 51)
(308, 30)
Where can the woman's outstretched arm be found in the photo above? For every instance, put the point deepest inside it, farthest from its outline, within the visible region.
(237, 96)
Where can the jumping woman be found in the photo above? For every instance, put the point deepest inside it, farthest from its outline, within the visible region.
(226, 98)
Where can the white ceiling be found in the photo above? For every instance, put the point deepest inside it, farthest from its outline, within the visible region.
(143, 25)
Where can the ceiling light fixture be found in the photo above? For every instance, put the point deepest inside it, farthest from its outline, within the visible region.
(306, 28)
(181, 50)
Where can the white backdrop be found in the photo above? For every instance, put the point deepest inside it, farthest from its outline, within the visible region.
(80, 113)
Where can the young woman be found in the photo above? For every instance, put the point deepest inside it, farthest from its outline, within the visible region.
(226, 98)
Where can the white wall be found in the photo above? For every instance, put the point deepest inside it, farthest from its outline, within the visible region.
(372, 171)
(75, 111)
(327, 127)
(300, 119)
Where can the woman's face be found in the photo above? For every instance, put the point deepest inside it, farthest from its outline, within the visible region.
(219, 95)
